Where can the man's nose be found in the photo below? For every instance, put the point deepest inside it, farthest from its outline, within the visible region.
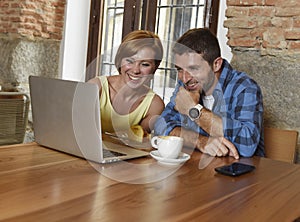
(186, 76)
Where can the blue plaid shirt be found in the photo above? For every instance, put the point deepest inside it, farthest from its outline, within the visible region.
(238, 101)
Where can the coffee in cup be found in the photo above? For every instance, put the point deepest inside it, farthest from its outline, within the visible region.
(168, 146)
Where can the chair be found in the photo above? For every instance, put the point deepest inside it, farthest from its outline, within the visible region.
(280, 144)
(14, 108)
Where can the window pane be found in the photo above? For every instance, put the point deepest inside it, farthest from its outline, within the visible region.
(112, 36)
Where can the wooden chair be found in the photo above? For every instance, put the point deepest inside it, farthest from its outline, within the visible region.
(14, 108)
(280, 144)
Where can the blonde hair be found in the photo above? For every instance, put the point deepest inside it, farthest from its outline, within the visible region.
(135, 41)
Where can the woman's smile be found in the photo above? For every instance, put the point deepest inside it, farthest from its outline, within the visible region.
(134, 77)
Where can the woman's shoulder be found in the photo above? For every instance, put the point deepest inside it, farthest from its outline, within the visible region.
(157, 101)
(96, 81)
(103, 80)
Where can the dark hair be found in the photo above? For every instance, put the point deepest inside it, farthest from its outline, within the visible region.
(199, 40)
(135, 41)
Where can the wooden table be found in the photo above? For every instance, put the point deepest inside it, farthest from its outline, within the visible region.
(40, 184)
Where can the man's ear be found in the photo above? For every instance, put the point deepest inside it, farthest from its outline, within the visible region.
(217, 64)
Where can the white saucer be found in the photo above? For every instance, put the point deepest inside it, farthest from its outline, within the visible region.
(183, 157)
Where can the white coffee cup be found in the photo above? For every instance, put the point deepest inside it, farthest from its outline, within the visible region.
(168, 146)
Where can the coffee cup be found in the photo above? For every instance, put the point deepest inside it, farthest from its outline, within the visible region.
(168, 146)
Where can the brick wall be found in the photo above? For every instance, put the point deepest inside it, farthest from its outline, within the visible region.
(271, 26)
(32, 18)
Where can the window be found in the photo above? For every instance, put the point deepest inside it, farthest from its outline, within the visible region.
(112, 19)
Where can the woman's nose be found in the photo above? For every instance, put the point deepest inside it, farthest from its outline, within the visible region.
(136, 68)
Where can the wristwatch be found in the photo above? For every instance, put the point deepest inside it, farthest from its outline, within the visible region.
(195, 112)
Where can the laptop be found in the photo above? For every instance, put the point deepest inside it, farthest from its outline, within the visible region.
(66, 117)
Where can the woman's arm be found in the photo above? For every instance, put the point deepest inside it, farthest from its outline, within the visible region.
(155, 109)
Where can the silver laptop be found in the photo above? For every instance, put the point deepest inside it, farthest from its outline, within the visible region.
(66, 117)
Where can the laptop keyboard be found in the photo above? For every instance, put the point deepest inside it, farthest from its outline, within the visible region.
(110, 153)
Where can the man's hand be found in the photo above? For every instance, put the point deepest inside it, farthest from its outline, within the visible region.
(219, 146)
(185, 100)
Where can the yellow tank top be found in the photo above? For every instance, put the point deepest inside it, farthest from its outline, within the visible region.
(111, 121)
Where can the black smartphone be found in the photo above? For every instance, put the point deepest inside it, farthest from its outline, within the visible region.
(235, 169)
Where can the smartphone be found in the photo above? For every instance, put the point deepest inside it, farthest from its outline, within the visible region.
(235, 169)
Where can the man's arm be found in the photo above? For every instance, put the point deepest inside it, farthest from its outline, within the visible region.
(208, 121)
(190, 137)
(214, 146)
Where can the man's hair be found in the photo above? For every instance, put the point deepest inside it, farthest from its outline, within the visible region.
(201, 41)
(135, 41)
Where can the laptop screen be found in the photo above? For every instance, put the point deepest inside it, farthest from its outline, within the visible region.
(65, 116)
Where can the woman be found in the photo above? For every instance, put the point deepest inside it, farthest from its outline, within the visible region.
(125, 99)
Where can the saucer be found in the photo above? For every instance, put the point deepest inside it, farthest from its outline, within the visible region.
(183, 157)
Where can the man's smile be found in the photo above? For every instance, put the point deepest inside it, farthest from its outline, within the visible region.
(191, 85)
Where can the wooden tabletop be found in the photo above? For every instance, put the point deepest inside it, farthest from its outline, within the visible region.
(40, 184)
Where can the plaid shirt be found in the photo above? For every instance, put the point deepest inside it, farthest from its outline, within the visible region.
(238, 101)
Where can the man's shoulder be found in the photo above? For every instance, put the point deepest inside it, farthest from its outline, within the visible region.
(235, 82)
(233, 76)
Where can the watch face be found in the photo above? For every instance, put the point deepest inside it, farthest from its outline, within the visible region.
(194, 113)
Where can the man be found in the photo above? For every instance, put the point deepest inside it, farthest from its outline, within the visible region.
(214, 108)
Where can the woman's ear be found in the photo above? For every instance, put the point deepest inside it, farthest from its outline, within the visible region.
(217, 64)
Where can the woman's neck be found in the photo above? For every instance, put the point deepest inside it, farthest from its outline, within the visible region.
(125, 99)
